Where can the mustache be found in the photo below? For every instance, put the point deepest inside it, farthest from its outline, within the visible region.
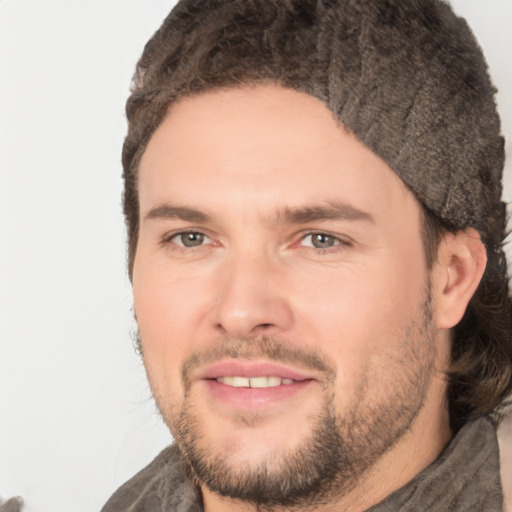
(266, 347)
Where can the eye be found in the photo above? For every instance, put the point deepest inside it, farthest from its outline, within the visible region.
(189, 239)
(320, 241)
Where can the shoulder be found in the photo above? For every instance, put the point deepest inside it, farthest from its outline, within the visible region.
(161, 485)
(505, 444)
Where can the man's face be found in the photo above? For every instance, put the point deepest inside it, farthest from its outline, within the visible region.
(281, 294)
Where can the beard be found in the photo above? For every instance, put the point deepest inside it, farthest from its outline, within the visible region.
(341, 445)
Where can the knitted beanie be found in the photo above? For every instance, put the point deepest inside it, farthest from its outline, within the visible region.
(407, 77)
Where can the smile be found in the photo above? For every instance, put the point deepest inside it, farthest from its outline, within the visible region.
(253, 385)
(254, 382)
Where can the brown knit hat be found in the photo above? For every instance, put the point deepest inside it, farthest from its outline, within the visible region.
(405, 76)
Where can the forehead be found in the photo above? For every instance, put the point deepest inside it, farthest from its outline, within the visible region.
(261, 147)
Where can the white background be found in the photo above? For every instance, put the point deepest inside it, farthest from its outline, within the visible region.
(76, 418)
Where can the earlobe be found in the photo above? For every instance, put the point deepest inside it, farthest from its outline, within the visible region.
(461, 264)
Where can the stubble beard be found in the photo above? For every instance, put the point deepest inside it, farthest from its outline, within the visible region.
(341, 447)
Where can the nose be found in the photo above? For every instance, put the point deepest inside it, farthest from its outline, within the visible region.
(252, 298)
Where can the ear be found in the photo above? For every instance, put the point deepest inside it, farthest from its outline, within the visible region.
(460, 266)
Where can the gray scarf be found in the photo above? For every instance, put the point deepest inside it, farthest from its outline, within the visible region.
(464, 478)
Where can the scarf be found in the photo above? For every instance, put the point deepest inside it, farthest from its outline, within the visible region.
(464, 478)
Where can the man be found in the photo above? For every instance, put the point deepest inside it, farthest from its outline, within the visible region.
(312, 194)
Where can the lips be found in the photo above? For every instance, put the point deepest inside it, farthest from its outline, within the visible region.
(254, 382)
(253, 370)
(250, 385)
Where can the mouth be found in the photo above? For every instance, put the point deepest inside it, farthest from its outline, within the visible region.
(253, 386)
(254, 382)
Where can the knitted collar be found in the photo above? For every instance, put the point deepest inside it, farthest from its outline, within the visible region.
(464, 478)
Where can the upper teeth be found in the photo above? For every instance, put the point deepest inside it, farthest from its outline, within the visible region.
(254, 382)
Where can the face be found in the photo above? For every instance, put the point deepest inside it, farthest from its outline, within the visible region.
(281, 294)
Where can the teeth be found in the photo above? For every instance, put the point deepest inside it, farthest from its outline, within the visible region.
(240, 382)
(261, 382)
(274, 381)
(254, 382)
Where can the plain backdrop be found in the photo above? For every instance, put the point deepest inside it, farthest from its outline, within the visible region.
(76, 416)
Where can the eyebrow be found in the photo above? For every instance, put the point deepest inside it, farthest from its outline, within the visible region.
(167, 211)
(330, 210)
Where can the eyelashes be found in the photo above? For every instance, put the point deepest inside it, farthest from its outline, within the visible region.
(189, 239)
(321, 240)
(193, 240)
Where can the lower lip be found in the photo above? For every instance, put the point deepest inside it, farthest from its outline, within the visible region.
(254, 398)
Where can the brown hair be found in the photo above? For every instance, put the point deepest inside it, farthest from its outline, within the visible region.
(480, 376)
(408, 79)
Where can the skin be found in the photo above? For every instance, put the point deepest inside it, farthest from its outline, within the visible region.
(243, 158)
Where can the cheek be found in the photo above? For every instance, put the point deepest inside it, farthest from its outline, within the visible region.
(358, 319)
(358, 300)
(167, 303)
(164, 309)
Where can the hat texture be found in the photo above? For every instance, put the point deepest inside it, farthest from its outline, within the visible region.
(405, 76)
